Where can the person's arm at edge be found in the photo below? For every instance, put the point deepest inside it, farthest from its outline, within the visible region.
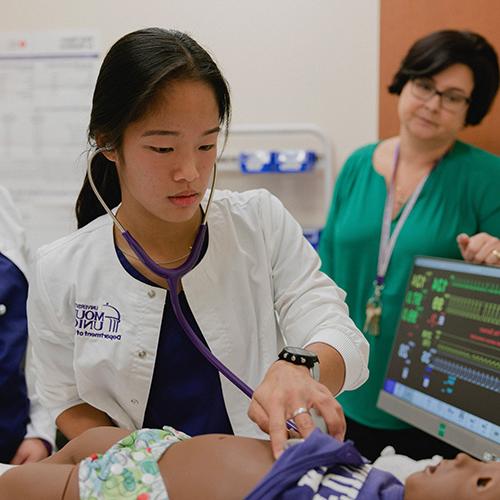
(331, 365)
(39, 439)
(52, 353)
(75, 420)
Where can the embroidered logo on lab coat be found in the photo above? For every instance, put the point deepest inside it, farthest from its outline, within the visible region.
(97, 321)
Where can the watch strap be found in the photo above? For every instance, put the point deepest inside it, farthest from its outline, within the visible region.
(309, 359)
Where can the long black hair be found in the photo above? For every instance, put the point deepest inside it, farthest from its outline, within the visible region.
(439, 50)
(136, 68)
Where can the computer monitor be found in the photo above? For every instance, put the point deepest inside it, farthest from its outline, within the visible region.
(444, 371)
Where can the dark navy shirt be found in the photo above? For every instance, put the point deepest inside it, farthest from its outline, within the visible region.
(185, 392)
(321, 468)
(14, 403)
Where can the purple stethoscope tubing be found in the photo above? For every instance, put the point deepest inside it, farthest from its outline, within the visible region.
(173, 277)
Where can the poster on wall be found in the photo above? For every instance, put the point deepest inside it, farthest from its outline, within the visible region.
(46, 86)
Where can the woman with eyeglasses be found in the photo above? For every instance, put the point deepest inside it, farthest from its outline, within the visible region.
(422, 192)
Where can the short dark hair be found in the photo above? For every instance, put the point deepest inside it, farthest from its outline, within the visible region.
(439, 50)
(134, 72)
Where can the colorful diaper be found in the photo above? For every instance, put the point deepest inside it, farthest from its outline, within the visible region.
(129, 469)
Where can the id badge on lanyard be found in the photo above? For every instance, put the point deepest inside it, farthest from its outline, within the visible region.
(387, 242)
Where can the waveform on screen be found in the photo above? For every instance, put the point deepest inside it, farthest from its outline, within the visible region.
(473, 309)
(470, 356)
(484, 340)
(467, 373)
(475, 285)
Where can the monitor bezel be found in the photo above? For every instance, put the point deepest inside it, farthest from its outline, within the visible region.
(454, 435)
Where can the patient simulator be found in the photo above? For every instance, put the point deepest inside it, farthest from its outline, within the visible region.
(164, 464)
(444, 377)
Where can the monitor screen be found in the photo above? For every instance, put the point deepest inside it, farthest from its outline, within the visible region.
(444, 371)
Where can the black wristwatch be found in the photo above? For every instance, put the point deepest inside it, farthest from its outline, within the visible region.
(303, 357)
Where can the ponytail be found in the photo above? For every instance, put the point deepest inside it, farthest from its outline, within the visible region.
(106, 180)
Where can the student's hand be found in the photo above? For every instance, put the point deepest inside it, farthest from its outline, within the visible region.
(286, 388)
(482, 248)
(29, 451)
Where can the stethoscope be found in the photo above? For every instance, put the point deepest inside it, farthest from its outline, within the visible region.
(174, 276)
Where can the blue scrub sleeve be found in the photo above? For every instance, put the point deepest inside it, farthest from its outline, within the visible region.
(14, 403)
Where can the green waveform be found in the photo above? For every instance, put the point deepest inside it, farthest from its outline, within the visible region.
(476, 286)
(471, 356)
(477, 310)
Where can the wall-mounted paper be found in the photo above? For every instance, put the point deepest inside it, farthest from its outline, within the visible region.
(46, 85)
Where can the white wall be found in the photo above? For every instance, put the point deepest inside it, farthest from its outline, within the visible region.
(286, 60)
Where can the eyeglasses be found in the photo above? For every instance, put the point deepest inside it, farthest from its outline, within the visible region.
(451, 100)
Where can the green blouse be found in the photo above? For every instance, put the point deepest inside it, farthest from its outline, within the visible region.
(461, 195)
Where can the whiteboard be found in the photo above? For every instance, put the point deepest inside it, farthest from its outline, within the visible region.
(46, 86)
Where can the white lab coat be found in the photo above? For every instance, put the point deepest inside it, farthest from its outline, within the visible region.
(13, 246)
(96, 329)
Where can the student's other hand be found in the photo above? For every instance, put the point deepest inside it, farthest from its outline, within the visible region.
(29, 451)
(482, 248)
(285, 389)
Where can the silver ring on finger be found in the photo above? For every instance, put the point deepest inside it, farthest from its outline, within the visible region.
(299, 411)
